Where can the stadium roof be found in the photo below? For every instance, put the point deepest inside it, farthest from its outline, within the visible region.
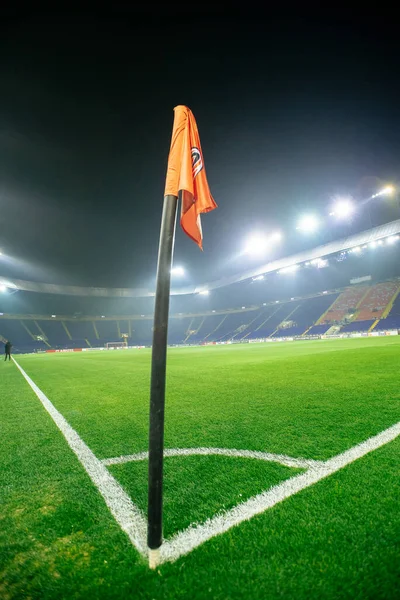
(358, 239)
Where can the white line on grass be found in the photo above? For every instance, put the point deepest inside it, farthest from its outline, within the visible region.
(288, 461)
(127, 515)
(133, 522)
(185, 541)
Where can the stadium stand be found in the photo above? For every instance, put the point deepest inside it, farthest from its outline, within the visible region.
(142, 332)
(356, 326)
(392, 320)
(376, 300)
(234, 324)
(306, 315)
(319, 329)
(359, 308)
(346, 304)
(208, 326)
(54, 333)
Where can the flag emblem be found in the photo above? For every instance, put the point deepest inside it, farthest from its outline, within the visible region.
(197, 161)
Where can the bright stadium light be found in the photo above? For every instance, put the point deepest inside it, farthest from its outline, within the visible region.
(308, 224)
(103, 316)
(372, 245)
(386, 191)
(343, 208)
(290, 269)
(258, 278)
(357, 249)
(256, 245)
(2, 288)
(392, 239)
(276, 236)
(179, 271)
(204, 293)
(53, 316)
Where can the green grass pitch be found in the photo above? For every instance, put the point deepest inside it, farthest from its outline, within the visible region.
(339, 538)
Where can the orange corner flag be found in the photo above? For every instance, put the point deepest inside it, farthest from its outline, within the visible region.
(186, 174)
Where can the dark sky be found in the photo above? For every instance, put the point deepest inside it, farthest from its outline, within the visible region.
(291, 112)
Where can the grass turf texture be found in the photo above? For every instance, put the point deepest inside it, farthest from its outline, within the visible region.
(337, 539)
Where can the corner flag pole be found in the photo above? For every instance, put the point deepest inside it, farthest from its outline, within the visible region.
(158, 376)
(186, 176)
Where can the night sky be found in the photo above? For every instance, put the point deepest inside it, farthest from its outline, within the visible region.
(291, 112)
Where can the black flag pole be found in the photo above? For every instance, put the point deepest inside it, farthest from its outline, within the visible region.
(158, 376)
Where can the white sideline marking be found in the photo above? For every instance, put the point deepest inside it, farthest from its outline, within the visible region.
(185, 541)
(131, 519)
(127, 515)
(288, 461)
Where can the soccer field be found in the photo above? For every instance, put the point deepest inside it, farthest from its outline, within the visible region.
(291, 514)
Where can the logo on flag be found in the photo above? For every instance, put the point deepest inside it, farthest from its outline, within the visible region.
(197, 161)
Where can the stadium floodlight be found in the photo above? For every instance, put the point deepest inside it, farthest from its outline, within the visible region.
(308, 224)
(53, 316)
(256, 245)
(343, 208)
(276, 236)
(357, 249)
(243, 307)
(380, 242)
(204, 293)
(213, 311)
(2, 288)
(290, 269)
(276, 301)
(372, 245)
(179, 271)
(264, 304)
(386, 191)
(258, 278)
(103, 316)
(392, 239)
(325, 292)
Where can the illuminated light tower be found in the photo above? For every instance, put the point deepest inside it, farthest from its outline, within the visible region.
(342, 209)
(308, 224)
(258, 245)
(386, 191)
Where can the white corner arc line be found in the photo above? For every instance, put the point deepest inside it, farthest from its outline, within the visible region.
(131, 519)
(128, 516)
(288, 461)
(185, 541)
